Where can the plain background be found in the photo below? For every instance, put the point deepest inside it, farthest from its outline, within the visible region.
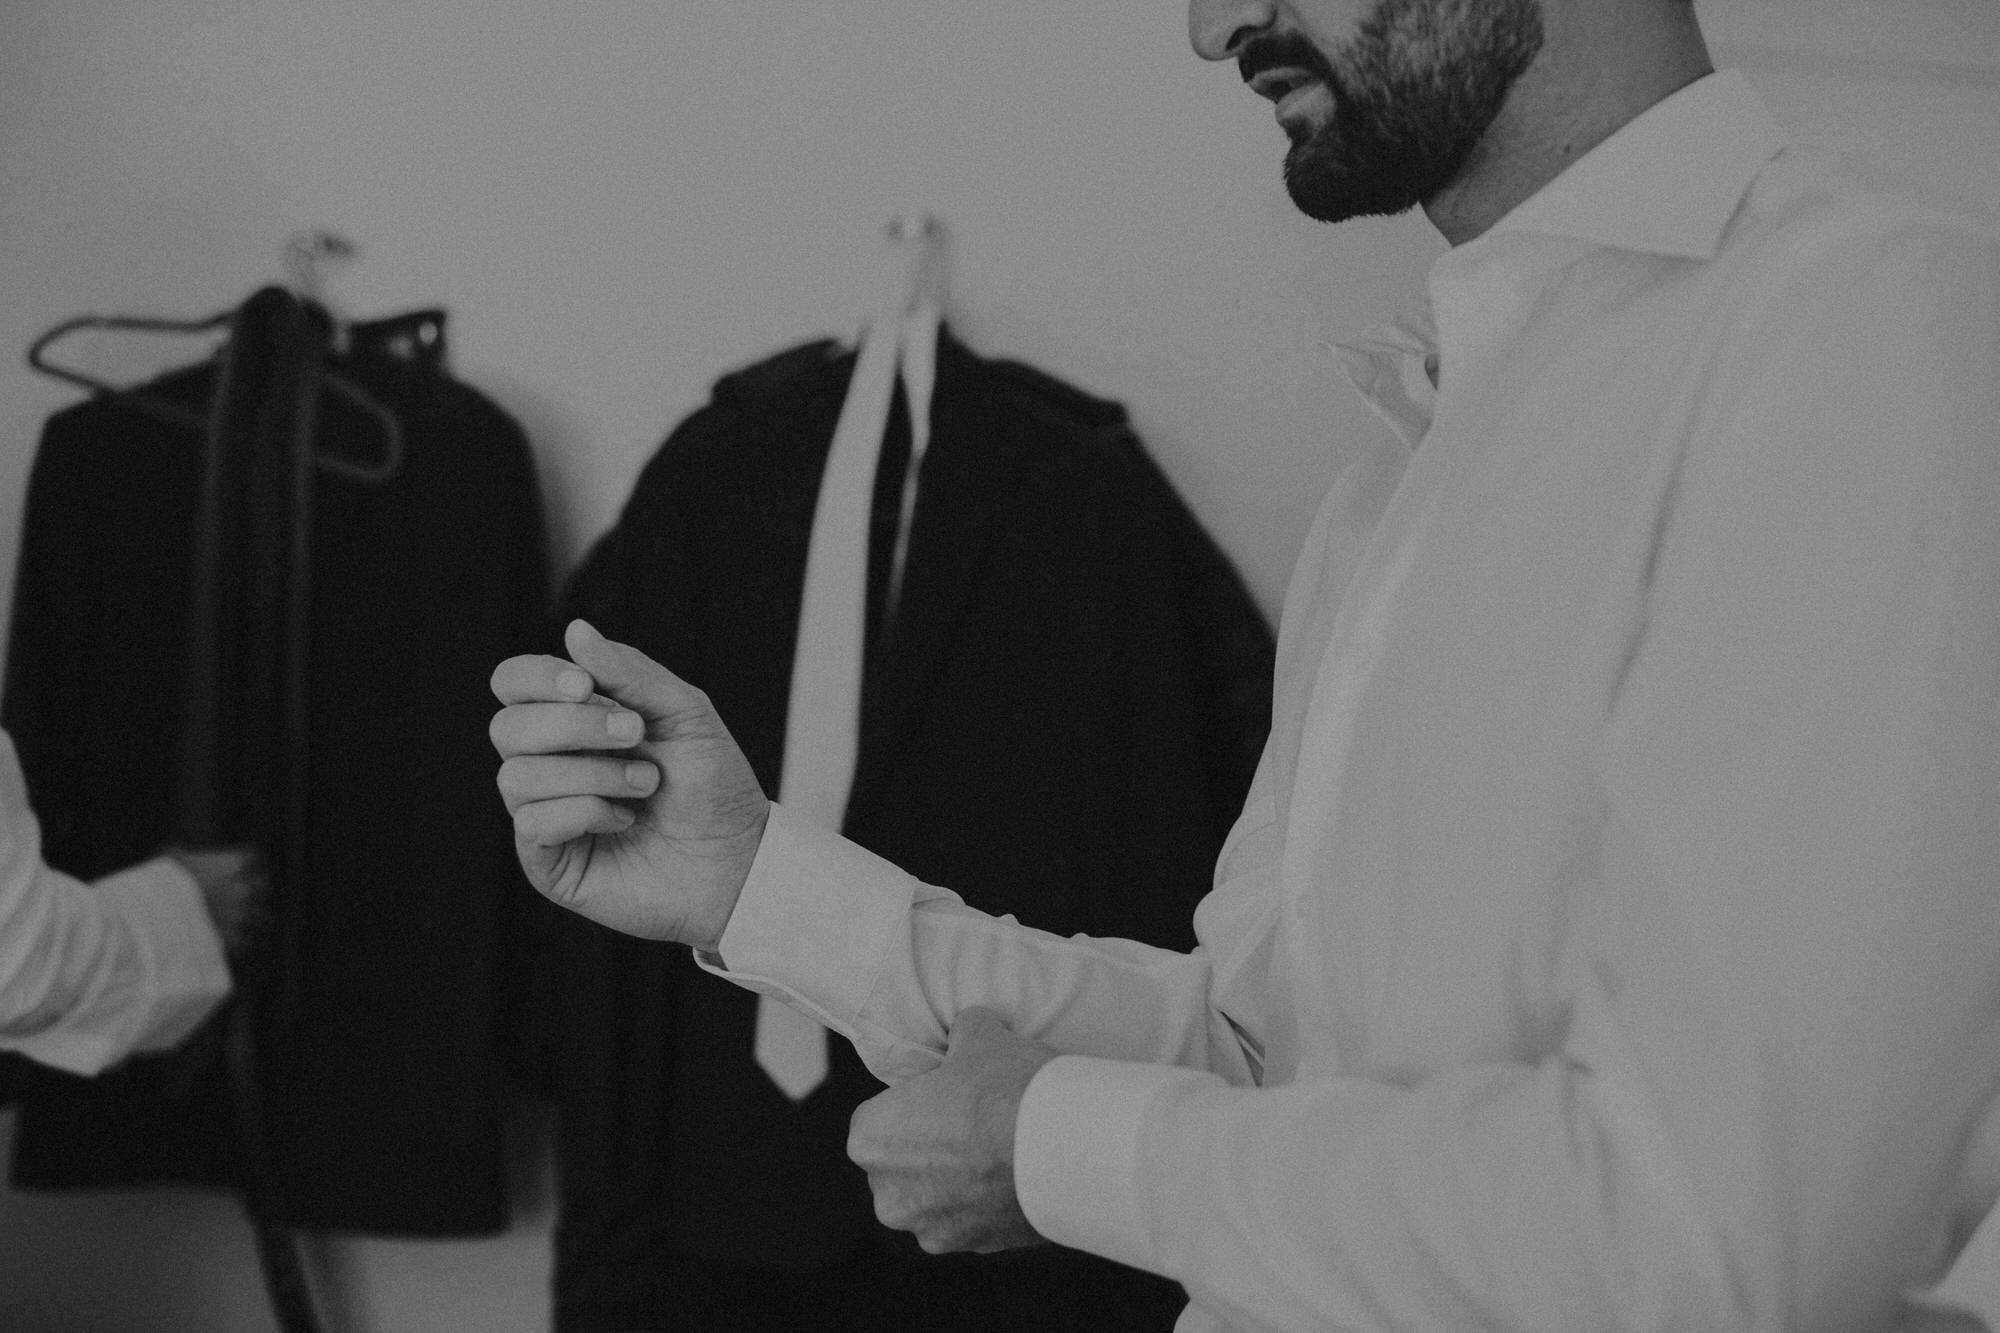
(618, 201)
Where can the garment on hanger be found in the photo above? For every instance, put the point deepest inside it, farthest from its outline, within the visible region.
(1059, 720)
(379, 1035)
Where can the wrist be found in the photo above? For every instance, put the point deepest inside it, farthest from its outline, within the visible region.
(233, 886)
(706, 932)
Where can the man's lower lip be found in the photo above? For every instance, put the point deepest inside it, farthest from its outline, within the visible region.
(1294, 103)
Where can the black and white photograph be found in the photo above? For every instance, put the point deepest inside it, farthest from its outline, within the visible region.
(860, 666)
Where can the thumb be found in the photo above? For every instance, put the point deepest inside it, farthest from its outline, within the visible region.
(974, 1025)
(627, 676)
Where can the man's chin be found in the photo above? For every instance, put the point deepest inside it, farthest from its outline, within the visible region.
(1333, 201)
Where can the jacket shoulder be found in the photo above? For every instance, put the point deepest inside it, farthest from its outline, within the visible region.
(1096, 414)
(775, 377)
(751, 412)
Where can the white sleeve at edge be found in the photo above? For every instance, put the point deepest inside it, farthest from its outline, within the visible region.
(1076, 1153)
(160, 970)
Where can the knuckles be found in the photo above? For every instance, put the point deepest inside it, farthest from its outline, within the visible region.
(897, 1209)
(508, 780)
(901, 1204)
(864, 1133)
(527, 823)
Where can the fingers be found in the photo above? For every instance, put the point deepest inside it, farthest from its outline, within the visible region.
(609, 698)
(527, 779)
(865, 1126)
(551, 728)
(556, 822)
(540, 678)
(632, 678)
(556, 797)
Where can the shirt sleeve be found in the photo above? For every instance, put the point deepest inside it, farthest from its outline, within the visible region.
(91, 974)
(888, 962)
(1788, 1022)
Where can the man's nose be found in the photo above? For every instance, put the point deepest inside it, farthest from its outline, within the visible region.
(1218, 28)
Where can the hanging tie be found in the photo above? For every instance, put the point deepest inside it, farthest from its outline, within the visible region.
(822, 720)
(823, 716)
(919, 374)
(917, 241)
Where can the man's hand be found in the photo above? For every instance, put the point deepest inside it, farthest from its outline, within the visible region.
(235, 888)
(939, 1150)
(631, 803)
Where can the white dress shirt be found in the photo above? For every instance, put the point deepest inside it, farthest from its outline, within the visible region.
(1611, 938)
(92, 973)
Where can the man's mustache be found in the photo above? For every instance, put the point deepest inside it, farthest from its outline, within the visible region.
(1285, 50)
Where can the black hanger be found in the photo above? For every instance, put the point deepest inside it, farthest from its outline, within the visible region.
(165, 410)
(181, 414)
(368, 474)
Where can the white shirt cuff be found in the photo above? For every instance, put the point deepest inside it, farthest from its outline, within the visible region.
(185, 967)
(816, 917)
(1077, 1141)
(157, 909)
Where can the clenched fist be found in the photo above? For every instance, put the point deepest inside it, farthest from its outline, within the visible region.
(632, 805)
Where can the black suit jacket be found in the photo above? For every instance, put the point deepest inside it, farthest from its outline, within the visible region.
(1060, 721)
(380, 1061)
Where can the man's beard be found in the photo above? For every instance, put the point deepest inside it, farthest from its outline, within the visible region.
(1416, 91)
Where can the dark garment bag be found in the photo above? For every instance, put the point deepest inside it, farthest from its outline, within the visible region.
(358, 624)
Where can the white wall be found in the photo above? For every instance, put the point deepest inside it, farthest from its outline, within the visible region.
(1911, 84)
(618, 201)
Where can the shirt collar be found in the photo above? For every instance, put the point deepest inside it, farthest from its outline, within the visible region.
(1392, 366)
(1666, 183)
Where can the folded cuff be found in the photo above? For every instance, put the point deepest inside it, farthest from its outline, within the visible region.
(164, 972)
(186, 972)
(1077, 1144)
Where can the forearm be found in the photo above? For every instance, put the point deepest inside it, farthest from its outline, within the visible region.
(1495, 1196)
(57, 945)
(889, 962)
(1558, 1195)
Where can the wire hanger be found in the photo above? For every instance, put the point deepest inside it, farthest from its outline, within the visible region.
(161, 408)
(917, 239)
(307, 254)
(195, 418)
(391, 462)
(307, 257)
(304, 256)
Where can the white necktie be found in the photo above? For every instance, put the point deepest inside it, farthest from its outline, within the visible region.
(823, 717)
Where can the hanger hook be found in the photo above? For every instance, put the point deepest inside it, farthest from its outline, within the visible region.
(307, 254)
(916, 225)
(919, 238)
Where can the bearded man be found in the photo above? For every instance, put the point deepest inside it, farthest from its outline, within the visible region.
(1610, 938)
